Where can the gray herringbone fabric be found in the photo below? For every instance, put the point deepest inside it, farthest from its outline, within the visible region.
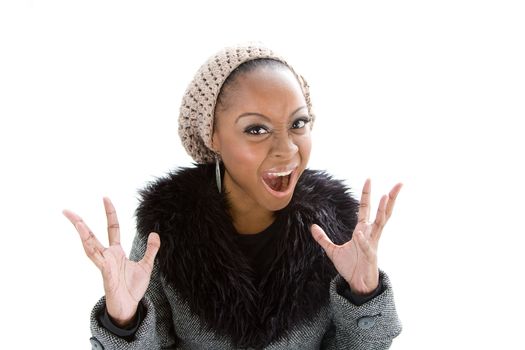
(169, 324)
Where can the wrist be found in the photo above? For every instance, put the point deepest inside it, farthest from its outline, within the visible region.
(123, 323)
(125, 332)
(363, 292)
(122, 319)
(364, 287)
(344, 290)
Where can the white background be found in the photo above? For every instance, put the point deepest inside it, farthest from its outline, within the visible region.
(427, 93)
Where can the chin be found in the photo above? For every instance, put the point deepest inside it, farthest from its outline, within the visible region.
(275, 205)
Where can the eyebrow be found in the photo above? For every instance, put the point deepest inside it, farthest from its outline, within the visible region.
(263, 116)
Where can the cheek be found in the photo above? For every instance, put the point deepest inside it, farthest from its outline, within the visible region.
(304, 143)
(242, 157)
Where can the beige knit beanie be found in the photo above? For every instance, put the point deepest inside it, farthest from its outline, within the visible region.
(198, 103)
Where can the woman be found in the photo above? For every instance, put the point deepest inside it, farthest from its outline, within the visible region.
(239, 266)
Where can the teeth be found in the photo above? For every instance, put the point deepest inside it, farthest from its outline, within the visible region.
(284, 173)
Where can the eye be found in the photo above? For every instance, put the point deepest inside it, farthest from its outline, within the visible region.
(256, 130)
(300, 123)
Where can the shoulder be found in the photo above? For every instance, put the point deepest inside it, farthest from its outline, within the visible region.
(321, 189)
(327, 201)
(173, 196)
(176, 182)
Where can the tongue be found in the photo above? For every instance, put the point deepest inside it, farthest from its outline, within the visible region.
(285, 181)
(275, 183)
(279, 183)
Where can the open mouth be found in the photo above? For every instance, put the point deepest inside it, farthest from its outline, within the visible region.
(278, 181)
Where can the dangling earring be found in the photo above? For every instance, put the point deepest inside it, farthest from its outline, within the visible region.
(218, 173)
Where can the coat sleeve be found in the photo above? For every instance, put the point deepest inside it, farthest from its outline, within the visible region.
(371, 326)
(374, 324)
(156, 329)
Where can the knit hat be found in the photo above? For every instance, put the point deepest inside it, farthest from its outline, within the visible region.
(198, 103)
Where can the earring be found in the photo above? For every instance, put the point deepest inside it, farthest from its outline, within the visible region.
(218, 173)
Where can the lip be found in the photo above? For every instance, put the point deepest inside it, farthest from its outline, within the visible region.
(291, 184)
(281, 169)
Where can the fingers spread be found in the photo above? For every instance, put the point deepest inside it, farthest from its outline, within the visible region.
(364, 204)
(380, 220)
(92, 246)
(72, 217)
(323, 240)
(392, 199)
(151, 250)
(113, 224)
(86, 235)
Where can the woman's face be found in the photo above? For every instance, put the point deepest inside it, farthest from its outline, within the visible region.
(262, 132)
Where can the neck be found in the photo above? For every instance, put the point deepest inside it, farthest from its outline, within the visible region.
(248, 216)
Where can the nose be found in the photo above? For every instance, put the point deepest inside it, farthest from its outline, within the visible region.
(284, 146)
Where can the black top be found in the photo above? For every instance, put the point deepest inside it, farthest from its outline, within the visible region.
(259, 249)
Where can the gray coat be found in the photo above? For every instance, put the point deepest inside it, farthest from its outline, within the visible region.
(311, 313)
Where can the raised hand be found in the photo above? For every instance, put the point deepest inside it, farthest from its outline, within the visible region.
(356, 260)
(125, 281)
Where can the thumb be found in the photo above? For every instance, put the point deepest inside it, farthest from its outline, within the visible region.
(151, 249)
(323, 240)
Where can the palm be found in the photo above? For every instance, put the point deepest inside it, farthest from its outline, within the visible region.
(125, 281)
(353, 264)
(356, 260)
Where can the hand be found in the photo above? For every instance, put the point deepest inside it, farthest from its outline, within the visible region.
(125, 281)
(356, 260)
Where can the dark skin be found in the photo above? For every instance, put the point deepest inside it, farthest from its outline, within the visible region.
(264, 127)
(270, 101)
(271, 97)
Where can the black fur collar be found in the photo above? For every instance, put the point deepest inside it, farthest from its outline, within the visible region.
(198, 254)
